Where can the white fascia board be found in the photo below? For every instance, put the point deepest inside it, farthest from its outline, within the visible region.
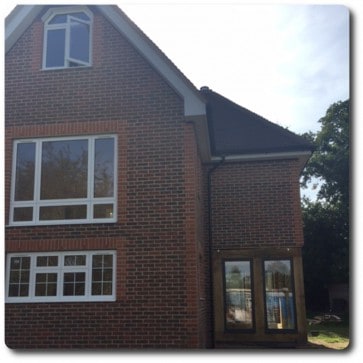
(264, 156)
(18, 22)
(301, 156)
(193, 103)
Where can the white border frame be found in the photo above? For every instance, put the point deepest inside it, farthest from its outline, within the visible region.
(89, 201)
(67, 10)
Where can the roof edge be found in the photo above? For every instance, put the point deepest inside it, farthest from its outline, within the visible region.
(194, 105)
(17, 22)
(301, 156)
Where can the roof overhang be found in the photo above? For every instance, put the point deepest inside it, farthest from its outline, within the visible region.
(301, 156)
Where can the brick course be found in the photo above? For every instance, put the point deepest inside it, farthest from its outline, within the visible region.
(255, 204)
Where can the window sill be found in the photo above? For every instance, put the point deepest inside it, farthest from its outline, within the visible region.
(60, 223)
(65, 68)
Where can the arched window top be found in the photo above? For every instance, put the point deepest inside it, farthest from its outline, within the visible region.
(67, 37)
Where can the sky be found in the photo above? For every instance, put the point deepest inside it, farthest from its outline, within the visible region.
(287, 62)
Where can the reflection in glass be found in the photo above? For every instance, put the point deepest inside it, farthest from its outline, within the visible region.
(75, 260)
(47, 261)
(238, 295)
(56, 40)
(64, 169)
(19, 276)
(79, 41)
(102, 271)
(46, 284)
(63, 212)
(23, 214)
(103, 211)
(279, 297)
(104, 168)
(74, 283)
(24, 175)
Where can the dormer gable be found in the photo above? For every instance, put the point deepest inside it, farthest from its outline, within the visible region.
(23, 16)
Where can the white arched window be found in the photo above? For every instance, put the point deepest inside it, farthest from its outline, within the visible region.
(67, 38)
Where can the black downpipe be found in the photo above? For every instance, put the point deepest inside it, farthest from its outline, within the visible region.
(210, 243)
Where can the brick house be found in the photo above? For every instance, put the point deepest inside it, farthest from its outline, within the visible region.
(140, 211)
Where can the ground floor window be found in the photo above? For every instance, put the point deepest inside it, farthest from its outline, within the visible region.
(258, 295)
(61, 276)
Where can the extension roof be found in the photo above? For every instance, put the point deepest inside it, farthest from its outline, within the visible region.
(234, 130)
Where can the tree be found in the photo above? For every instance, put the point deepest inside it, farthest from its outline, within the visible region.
(326, 220)
(330, 161)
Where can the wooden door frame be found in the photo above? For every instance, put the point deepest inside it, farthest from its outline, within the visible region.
(259, 335)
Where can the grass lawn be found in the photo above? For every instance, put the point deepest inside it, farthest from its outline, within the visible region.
(330, 334)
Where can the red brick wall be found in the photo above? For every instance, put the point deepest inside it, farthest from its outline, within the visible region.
(256, 204)
(159, 293)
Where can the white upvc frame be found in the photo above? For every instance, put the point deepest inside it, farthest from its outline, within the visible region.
(68, 10)
(60, 270)
(89, 201)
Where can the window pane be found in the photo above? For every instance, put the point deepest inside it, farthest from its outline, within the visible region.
(24, 214)
(238, 296)
(75, 260)
(96, 288)
(47, 261)
(24, 174)
(103, 211)
(104, 168)
(74, 283)
(82, 16)
(59, 19)
(279, 296)
(19, 276)
(55, 48)
(79, 42)
(107, 288)
(64, 169)
(63, 212)
(102, 272)
(46, 284)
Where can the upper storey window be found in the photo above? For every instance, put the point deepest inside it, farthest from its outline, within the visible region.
(64, 180)
(67, 38)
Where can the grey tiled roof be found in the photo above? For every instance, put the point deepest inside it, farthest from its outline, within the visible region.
(235, 130)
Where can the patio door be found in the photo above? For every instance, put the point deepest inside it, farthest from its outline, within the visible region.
(258, 297)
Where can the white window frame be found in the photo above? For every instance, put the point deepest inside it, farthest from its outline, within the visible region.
(60, 270)
(90, 201)
(68, 11)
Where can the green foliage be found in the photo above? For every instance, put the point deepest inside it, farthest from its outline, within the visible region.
(330, 161)
(326, 220)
